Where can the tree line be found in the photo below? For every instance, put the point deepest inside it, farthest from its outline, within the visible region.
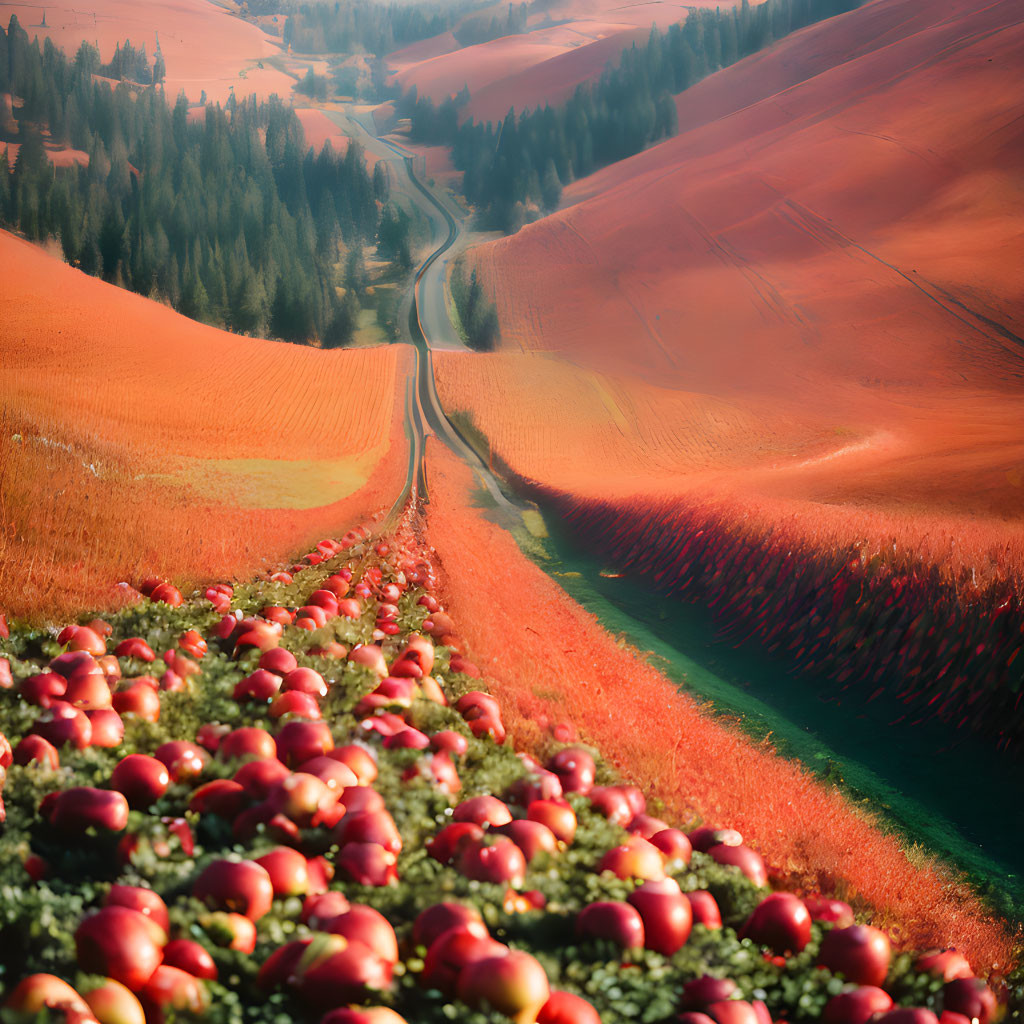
(481, 29)
(231, 219)
(367, 26)
(477, 314)
(517, 167)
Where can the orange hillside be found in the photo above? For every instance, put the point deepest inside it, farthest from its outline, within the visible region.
(835, 265)
(563, 668)
(566, 43)
(133, 438)
(204, 47)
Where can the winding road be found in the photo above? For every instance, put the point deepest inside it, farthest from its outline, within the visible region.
(426, 325)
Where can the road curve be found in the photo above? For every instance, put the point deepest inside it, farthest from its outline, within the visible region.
(428, 324)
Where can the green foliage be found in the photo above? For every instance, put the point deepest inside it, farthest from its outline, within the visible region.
(477, 314)
(231, 218)
(517, 167)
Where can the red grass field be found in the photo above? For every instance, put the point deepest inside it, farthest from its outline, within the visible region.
(566, 43)
(149, 443)
(204, 47)
(551, 663)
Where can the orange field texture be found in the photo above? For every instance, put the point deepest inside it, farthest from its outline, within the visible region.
(553, 666)
(133, 440)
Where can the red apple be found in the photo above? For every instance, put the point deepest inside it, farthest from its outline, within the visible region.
(230, 930)
(501, 862)
(433, 922)
(350, 974)
(575, 768)
(44, 688)
(835, 912)
(287, 869)
(453, 951)
(35, 748)
(247, 742)
(971, 997)
(361, 800)
(781, 922)
(674, 844)
(305, 680)
(302, 741)
(856, 1005)
(636, 858)
(566, 1008)
(63, 723)
(613, 922)
(908, 1015)
(359, 760)
(513, 984)
(107, 727)
(142, 779)
(530, 836)
(947, 964)
(483, 810)
(302, 798)
(701, 992)
(335, 775)
(557, 815)
(365, 1015)
(744, 858)
(242, 887)
(38, 992)
(260, 778)
(114, 1003)
(705, 909)
(145, 901)
(138, 699)
(360, 923)
(704, 837)
(450, 841)
(189, 956)
(859, 953)
(184, 760)
(611, 801)
(666, 915)
(367, 864)
(370, 827)
(279, 661)
(224, 797)
(298, 705)
(260, 686)
(82, 807)
(118, 942)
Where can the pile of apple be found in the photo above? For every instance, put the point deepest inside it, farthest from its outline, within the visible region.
(330, 844)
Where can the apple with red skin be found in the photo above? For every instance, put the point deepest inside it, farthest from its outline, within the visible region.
(530, 836)
(300, 705)
(610, 921)
(107, 727)
(781, 922)
(674, 844)
(705, 908)
(247, 741)
(835, 912)
(62, 723)
(452, 952)
(360, 923)
(88, 692)
(35, 748)
(241, 887)
(260, 685)
(279, 661)
(135, 647)
(856, 1005)
(318, 911)
(567, 1008)
(335, 775)
(636, 858)
(666, 915)
(369, 655)
(483, 810)
(260, 778)
(433, 922)
(513, 984)
(538, 785)
(747, 860)
(83, 807)
(946, 964)
(370, 827)
(223, 797)
(302, 741)
(305, 680)
(737, 1011)
(350, 974)
(189, 956)
(301, 798)
(138, 699)
(184, 760)
(168, 594)
(648, 826)
(175, 989)
(859, 953)
(450, 841)
(701, 992)
(908, 1015)
(501, 862)
(118, 942)
(358, 760)
(704, 837)
(145, 901)
(557, 815)
(38, 992)
(288, 871)
(231, 930)
(114, 1003)
(450, 742)
(407, 739)
(612, 803)
(361, 800)
(365, 1015)
(367, 864)
(43, 689)
(971, 997)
